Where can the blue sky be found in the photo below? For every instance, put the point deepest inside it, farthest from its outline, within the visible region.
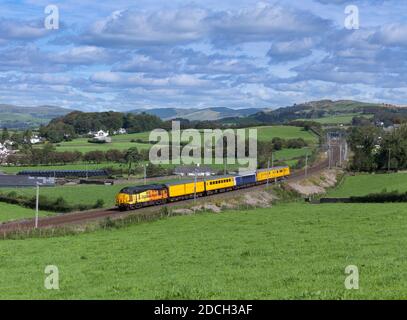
(122, 55)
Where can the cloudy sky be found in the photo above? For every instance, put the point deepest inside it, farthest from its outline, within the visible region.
(121, 55)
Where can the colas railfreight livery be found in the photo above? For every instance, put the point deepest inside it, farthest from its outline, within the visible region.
(136, 197)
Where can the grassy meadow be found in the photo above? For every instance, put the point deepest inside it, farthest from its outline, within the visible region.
(78, 194)
(10, 212)
(267, 133)
(74, 166)
(345, 118)
(363, 184)
(288, 251)
(124, 142)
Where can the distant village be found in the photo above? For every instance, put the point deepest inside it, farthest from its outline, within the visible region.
(7, 146)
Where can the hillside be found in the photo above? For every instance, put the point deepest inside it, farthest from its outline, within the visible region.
(323, 111)
(320, 110)
(206, 114)
(16, 117)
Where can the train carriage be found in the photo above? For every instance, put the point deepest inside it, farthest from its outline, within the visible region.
(185, 189)
(245, 180)
(220, 184)
(272, 173)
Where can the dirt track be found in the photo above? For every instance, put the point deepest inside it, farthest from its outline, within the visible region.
(87, 216)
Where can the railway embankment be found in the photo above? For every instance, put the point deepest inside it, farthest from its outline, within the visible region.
(317, 184)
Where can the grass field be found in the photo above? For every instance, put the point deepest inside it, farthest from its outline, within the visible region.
(293, 251)
(75, 166)
(291, 153)
(123, 142)
(267, 133)
(82, 145)
(78, 194)
(363, 184)
(9, 212)
(338, 119)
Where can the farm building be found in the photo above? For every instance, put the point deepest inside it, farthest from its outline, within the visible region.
(100, 136)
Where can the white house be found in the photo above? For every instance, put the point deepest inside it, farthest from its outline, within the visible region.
(101, 134)
(35, 140)
(120, 131)
(4, 152)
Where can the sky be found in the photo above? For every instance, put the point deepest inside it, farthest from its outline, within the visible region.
(124, 55)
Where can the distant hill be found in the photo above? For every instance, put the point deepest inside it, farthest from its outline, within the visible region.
(16, 117)
(207, 114)
(319, 110)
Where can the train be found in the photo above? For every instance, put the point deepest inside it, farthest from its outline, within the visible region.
(135, 197)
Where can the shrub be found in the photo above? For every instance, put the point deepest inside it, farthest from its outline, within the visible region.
(382, 197)
(99, 204)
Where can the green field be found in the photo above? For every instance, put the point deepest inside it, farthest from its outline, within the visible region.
(9, 212)
(75, 166)
(267, 133)
(291, 153)
(293, 251)
(123, 142)
(363, 184)
(82, 144)
(338, 119)
(78, 194)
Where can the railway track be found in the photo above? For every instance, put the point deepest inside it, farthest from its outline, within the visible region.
(88, 216)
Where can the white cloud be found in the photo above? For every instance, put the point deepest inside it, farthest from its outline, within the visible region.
(391, 35)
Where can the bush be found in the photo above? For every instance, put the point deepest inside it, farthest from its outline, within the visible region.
(108, 223)
(97, 141)
(99, 204)
(61, 205)
(382, 197)
(58, 205)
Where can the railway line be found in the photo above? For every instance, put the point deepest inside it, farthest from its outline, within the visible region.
(94, 215)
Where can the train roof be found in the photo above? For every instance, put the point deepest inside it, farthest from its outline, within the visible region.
(272, 168)
(244, 174)
(138, 189)
(183, 182)
(221, 177)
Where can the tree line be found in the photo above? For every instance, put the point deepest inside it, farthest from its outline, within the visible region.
(47, 155)
(376, 150)
(79, 123)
